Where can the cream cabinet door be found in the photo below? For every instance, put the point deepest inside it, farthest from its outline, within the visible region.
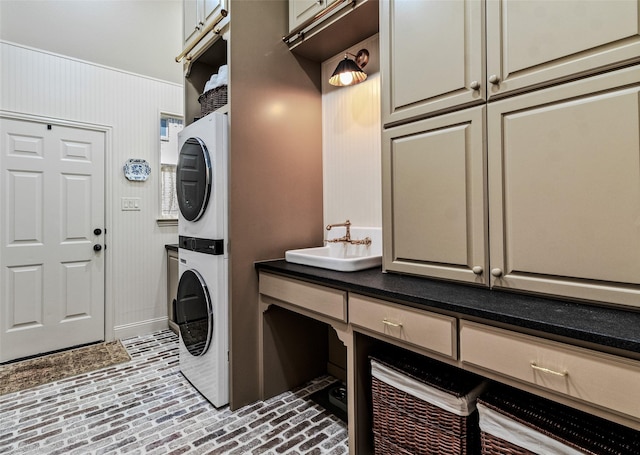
(191, 23)
(535, 43)
(431, 57)
(434, 212)
(564, 189)
(301, 10)
(197, 13)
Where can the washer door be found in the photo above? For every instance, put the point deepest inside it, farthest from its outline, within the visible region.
(193, 175)
(194, 312)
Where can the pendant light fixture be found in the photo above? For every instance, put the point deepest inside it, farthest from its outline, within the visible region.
(349, 72)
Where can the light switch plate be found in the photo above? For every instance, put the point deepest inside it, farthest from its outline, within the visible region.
(130, 203)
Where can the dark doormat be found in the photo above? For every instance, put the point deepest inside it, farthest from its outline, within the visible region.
(53, 367)
(333, 398)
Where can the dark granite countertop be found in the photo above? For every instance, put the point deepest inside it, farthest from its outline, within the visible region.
(171, 247)
(606, 326)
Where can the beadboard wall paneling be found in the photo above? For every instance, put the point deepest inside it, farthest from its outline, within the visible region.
(42, 84)
(351, 144)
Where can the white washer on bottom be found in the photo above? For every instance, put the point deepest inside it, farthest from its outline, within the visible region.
(202, 316)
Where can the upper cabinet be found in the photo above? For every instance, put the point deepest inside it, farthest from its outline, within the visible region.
(551, 152)
(434, 210)
(302, 10)
(431, 57)
(433, 52)
(535, 43)
(564, 189)
(196, 14)
(318, 30)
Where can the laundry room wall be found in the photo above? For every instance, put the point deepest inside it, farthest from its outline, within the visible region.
(111, 63)
(39, 83)
(351, 147)
(142, 37)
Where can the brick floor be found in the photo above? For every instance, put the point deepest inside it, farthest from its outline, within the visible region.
(146, 406)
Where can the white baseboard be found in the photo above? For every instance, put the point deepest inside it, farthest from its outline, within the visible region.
(140, 328)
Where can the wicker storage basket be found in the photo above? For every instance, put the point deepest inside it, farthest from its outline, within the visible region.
(384, 446)
(513, 422)
(423, 407)
(212, 100)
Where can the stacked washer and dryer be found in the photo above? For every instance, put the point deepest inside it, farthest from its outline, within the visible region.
(202, 312)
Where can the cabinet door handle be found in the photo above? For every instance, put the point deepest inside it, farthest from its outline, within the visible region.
(475, 85)
(477, 270)
(548, 371)
(496, 272)
(385, 321)
(494, 79)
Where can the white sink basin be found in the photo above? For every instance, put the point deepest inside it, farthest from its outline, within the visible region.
(342, 257)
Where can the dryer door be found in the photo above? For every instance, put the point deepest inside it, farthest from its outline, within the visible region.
(193, 179)
(194, 312)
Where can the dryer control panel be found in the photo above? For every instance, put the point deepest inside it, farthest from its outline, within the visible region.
(207, 246)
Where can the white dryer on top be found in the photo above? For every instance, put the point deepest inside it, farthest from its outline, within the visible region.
(201, 178)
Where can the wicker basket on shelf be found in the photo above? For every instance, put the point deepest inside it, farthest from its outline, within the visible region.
(212, 100)
(409, 415)
(514, 422)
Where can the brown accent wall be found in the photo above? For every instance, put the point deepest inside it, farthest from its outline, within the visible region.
(275, 165)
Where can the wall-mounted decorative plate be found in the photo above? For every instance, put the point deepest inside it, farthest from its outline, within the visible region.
(137, 169)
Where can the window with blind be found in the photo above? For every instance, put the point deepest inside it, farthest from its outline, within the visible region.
(169, 128)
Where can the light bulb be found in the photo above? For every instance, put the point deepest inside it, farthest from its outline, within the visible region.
(346, 78)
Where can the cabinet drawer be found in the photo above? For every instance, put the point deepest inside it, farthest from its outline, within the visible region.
(430, 331)
(319, 299)
(594, 377)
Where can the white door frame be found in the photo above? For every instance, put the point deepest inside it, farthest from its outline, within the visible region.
(109, 309)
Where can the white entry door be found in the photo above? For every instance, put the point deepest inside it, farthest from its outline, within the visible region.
(52, 234)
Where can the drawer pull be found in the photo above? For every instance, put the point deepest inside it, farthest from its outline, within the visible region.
(547, 370)
(392, 324)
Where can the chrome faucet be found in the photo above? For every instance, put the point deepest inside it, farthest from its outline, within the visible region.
(346, 238)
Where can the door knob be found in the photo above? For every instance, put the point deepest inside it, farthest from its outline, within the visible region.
(97, 231)
(478, 270)
(494, 79)
(496, 272)
(97, 247)
(475, 85)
